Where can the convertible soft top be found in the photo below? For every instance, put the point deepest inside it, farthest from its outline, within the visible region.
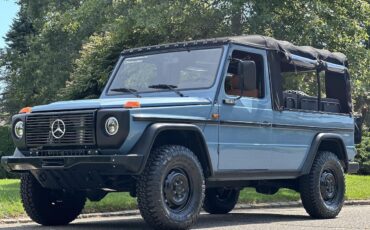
(289, 48)
(283, 56)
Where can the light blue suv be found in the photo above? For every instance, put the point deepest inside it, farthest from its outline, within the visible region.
(187, 125)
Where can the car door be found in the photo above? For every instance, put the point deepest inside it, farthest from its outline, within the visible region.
(245, 123)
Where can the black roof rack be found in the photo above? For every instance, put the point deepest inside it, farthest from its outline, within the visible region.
(204, 42)
(306, 56)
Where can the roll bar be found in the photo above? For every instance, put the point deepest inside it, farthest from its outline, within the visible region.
(314, 64)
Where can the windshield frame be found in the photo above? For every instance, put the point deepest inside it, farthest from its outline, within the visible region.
(107, 90)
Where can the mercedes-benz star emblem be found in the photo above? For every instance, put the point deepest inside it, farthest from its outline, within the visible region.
(58, 129)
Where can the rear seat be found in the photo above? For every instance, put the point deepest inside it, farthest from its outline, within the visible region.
(330, 105)
(296, 101)
(308, 103)
(290, 100)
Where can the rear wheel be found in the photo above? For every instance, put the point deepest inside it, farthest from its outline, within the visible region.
(171, 189)
(220, 200)
(323, 189)
(49, 207)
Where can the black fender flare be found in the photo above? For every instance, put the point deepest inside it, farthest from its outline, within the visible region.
(145, 143)
(317, 140)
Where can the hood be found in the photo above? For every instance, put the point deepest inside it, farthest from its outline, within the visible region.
(119, 102)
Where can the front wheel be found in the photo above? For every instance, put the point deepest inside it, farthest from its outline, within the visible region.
(49, 207)
(170, 191)
(220, 200)
(322, 190)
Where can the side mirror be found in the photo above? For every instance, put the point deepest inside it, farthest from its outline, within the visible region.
(248, 77)
(246, 72)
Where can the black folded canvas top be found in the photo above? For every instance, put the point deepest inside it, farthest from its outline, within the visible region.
(289, 48)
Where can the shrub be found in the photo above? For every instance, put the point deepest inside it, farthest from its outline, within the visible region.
(363, 154)
(6, 148)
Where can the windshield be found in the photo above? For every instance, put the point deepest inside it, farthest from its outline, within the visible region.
(172, 71)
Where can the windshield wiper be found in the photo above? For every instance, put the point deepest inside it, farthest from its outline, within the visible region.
(166, 86)
(127, 90)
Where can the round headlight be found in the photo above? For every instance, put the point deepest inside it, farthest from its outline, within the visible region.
(111, 126)
(19, 129)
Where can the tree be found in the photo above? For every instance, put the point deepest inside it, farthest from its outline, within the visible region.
(39, 61)
(138, 24)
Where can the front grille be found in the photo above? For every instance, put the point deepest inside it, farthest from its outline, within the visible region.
(79, 129)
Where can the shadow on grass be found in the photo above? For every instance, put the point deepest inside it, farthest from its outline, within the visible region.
(9, 191)
(205, 221)
(12, 185)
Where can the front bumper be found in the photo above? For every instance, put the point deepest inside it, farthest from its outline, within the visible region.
(76, 172)
(117, 164)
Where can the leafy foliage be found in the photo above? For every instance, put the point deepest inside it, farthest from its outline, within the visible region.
(363, 155)
(6, 147)
(143, 24)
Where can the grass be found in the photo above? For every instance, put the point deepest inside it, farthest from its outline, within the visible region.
(10, 203)
(358, 187)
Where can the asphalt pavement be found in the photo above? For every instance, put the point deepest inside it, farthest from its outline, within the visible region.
(351, 217)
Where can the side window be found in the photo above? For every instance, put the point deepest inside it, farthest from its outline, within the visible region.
(253, 87)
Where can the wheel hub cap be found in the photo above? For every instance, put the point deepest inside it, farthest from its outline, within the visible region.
(328, 186)
(176, 189)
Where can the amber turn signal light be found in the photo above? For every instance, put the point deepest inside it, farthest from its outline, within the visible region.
(131, 104)
(26, 110)
(215, 116)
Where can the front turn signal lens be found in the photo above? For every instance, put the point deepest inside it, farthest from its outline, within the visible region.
(26, 110)
(131, 104)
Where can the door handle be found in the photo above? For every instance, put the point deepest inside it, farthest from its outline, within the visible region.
(229, 101)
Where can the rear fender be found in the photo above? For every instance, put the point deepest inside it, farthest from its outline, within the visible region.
(315, 146)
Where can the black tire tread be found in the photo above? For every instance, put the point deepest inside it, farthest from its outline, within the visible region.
(310, 195)
(147, 183)
(30, 194)
(213, 206)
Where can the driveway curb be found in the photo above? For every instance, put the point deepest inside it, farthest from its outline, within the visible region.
(136, 212)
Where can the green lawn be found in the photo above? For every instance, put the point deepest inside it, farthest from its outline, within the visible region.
(358, 187)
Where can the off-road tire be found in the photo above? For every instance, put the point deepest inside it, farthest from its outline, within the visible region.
(326, 165)
(297, 92)
(220, 200)
(48, 207)
(153, 184)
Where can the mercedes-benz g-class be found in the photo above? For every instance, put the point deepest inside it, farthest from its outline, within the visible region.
(188, 125)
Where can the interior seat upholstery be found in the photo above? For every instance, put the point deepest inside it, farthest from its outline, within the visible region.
(250, 89)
